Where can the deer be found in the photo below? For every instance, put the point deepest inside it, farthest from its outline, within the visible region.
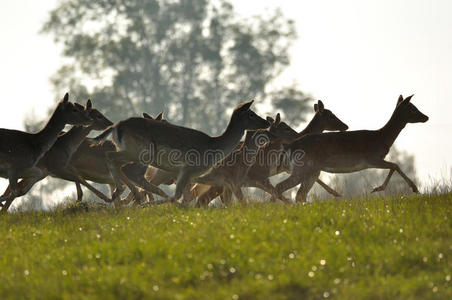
(89, 161)
(347, 152)
(20, 151)
(258, 176)
(268, 165)
(230, 172)
(55, 161)
(195, 151)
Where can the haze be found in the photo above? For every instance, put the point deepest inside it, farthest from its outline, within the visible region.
(356, 56)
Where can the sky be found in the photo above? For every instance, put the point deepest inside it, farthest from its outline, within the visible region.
(356, 56)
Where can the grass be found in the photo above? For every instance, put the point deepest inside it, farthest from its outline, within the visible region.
(377, 248)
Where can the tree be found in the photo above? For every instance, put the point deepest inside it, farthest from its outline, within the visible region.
(193, 59)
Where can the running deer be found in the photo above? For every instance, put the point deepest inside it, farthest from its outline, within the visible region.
(347, 152)
(230, 172)
(258, 176)
(89, 161)
(174, 148)
(268, 165)
(20, 151)
(55, 161)
(157, 176)
(239, 162)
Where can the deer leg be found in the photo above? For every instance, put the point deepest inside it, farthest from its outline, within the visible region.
(9, 200)
(6, 195)
(302, 195)
(237, 191)
(394, 167)
(408, 180)
(30, 183)
(288, 183)
(24, 185)
(128, 199)
(385, 183)
(117, 202)
(112, 189)
(71, 174)
(138, 179)
(199, 189)
(186, 196)
(13, 187)
(115, 160)
(328, 189)
(135, 178)
(267, 187)
(10, 197)
(79, 192)
(94, 190)
(305, 187)
(21, 188)
(226, 197)
(213, 192)
(183, 180)
(7, 191)
(150, 188)
(133, 189)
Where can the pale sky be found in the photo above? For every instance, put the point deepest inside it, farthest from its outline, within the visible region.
(357, 56)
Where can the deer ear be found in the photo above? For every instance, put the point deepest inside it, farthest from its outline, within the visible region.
(400, 99)
(278, 118)
(66, 98)
(408, 99)
(316, 107)
(159, 116)
(245, 106)
(270, 120)
(147, 116)
(321, 106)
(89, 104)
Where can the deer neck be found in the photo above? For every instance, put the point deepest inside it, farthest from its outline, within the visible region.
(392, 129)
(230, 138)
(314, 126)
(49, 134)
(72, 139)
(255, 143)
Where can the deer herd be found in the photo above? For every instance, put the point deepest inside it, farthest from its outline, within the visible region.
(145, 152)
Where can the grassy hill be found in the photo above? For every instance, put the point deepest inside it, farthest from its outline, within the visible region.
(377, 248)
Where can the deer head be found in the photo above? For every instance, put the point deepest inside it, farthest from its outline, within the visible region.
(246, 119)
(99, 121)
(406, 112)
(326, 119)
(72, 114)
(280, 130)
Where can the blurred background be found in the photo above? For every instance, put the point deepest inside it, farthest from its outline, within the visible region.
(197, 59)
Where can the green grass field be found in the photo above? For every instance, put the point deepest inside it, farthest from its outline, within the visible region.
(378, 248)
